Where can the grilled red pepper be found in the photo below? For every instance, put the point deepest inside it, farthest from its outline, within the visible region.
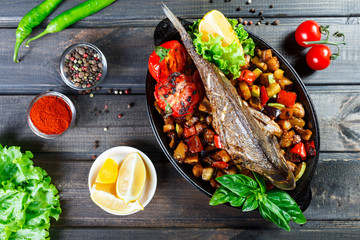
(263, 96)
(166, 59)
(188, 132)
(220, 164)
(178, 95)
(194, 144)
(299, 149)
(247, 76)
(286, 98)
(217, 142)
(310, 148)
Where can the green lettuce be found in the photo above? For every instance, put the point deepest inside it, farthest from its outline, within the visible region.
(27, 199)
(228, 59)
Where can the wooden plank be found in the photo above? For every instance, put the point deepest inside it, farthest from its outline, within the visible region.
(38, 70)
(337, 110)
(177, 204)
(299, 233)
(127, 12)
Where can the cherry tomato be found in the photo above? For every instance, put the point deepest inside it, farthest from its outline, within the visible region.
(166, 59)
(306, 32)
(318, 57)
(177, 95)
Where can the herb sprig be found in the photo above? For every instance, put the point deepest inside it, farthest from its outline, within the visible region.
(274, 205)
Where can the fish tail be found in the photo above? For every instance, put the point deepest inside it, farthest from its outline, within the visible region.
(175, 21)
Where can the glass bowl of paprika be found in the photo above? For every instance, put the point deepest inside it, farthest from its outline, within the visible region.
(51, 114)
(83, 66)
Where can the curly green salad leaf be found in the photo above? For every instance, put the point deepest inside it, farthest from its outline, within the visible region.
(228, 59)
(27, 199)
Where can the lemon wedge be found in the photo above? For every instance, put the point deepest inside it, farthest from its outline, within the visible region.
(131, 179)
(103, 197)
(108, 172)
(215, 23)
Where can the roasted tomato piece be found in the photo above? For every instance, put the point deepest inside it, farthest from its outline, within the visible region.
(166, 59)
(220, 164)
(194, 144)
(177, 95)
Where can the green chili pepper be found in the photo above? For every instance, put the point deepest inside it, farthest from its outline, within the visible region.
(33, 19)
(73, 15)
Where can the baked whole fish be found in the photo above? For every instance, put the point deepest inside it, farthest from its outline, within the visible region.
(243, 133)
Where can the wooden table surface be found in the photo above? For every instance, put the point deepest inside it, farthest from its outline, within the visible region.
(178, 210)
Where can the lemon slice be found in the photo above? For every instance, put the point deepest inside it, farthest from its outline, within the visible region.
(131, 179)
(110, 202)
(108, 172)
(215, 23)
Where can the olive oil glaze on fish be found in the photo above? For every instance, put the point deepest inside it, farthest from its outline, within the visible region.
(244, 134)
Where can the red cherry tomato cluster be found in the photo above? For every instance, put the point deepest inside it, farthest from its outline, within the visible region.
(308, 34)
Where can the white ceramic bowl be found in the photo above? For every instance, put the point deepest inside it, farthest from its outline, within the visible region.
(118, 154)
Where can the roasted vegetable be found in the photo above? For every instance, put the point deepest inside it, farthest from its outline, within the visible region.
(197, 170)
(194, 144)
(286, 98)
(273, 112)
(207, 173)
(180, 151)
(192, 159)
(273, 64)
(244, 90)
(273, 89)
(298, 110)
(299, 149)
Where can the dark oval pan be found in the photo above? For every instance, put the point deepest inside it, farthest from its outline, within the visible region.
(302, 193)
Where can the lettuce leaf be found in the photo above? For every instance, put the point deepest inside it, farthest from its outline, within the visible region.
(27, 198)
(229, 59)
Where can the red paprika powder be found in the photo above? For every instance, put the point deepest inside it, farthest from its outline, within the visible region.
(51, 115)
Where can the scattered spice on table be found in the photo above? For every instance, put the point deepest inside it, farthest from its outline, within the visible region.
(83, 67)
(120, 115)
(238, 9)
(271, 6)
(51, 115)
(276, 22)
(96, 144)
(93, 157)
(252, 10)
(248, 2)
(127, 91)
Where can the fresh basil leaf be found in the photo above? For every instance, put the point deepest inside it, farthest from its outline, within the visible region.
(250, 204)
(260, 180)
(224, 195)
(238, 201)
(271, 212)
(240, 184)
(287, 204)
(161, 52)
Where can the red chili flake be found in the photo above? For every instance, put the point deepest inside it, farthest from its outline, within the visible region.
(127, 91)
(89, 85)
(120, 116)
(93, 157)
(99, 75)
(77, 75)
(95, 58)
(72, 68)
(84, 68)
(106, 107)
(97, 78)
(85, 55)
(72, 59)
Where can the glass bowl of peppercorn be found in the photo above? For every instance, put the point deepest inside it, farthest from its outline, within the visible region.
(51, 114)
(83, 66)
